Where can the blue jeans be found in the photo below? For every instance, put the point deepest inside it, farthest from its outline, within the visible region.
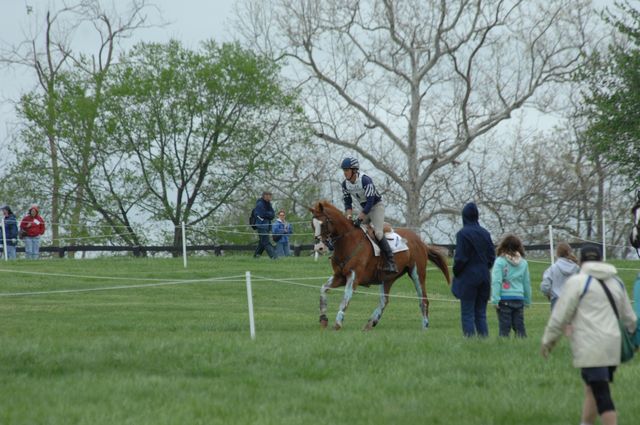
(11, 252)
(282, 249)
(32, 247)
(473, 311)
(263, 241)
(511, 316)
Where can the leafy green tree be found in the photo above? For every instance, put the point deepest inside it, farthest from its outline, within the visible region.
(188, 130)
(613, 97)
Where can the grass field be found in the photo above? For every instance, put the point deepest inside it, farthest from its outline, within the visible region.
(137, 351)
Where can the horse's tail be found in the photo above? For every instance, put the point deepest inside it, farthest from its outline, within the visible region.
(436, 256)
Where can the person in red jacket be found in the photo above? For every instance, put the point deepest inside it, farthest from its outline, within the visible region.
(31, 228)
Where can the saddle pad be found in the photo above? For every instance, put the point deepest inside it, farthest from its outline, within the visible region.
(396, 242)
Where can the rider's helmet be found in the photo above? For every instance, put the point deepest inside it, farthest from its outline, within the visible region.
(350, 163)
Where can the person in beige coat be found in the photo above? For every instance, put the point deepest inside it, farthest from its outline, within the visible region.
(585, 313)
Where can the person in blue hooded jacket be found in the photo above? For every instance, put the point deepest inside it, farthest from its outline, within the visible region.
(472, 262)
(264, 215)
(556, 275)
(10, 231)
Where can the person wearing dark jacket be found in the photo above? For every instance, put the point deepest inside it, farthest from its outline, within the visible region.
(264, 215)
(472, 262)
(10, 233)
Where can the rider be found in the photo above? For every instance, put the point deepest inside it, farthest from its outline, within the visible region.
(361, 187)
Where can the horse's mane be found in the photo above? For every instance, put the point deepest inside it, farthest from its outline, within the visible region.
(329, 209)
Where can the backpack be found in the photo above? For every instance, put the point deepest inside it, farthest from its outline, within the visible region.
(252, 219)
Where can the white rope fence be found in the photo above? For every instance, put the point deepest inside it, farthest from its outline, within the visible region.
(234, 279)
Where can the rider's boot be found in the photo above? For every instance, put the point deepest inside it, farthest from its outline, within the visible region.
(389, 262)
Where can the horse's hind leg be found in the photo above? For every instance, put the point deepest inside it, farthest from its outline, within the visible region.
(377, 313)
(418, 281)
(324, 320)
(348, 293)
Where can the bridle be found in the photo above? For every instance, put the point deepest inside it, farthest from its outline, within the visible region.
(322, 234)
(324, 238)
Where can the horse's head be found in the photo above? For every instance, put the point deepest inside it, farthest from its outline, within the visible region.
(328, 225)
(634, 237)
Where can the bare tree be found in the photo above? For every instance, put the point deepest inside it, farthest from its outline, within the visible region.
(550, 179)
(410, 85)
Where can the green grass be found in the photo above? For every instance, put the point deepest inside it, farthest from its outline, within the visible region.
(181, 354)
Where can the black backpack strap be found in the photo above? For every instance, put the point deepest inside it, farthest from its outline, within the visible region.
(613, 304)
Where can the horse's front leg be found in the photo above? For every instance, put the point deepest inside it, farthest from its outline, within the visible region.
(348, 293)
(423, 302)
(324, 320)
(377, 313)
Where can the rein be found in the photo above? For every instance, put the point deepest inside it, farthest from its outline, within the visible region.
(358, 248)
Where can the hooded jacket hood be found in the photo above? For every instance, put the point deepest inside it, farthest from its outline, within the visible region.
(598, 269)
(566, 266)
(470, 214)
(514, 259)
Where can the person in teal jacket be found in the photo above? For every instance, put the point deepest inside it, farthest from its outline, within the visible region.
(510, 286)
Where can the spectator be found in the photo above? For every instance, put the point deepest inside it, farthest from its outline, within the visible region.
(264, 215)
(557, 274)
(474, 256)
(595, 334)
(31, 228)
(281, 231)
(10, 232)
(511, 286)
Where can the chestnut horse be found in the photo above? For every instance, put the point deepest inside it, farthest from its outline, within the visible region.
(354, 263)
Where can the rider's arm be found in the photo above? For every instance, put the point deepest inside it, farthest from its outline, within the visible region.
(346, 197)
(369, 192)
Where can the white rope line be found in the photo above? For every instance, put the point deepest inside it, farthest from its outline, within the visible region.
(365, 292)
(110, 288)
(92, 277)
(232, 279)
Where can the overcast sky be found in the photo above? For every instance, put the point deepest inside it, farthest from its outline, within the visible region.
(191, 21)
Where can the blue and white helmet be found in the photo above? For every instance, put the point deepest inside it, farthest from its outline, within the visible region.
(350, 163)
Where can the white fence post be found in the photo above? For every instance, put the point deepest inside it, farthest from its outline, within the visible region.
(184, 246)
(4, 241)
(604, 240)
(252, 326)
(551, 249)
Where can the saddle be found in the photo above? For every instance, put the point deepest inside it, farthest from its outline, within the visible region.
(396, 242)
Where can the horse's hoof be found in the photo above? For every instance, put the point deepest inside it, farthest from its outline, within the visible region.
(369, 326)
(324, 323)
(337, 327)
